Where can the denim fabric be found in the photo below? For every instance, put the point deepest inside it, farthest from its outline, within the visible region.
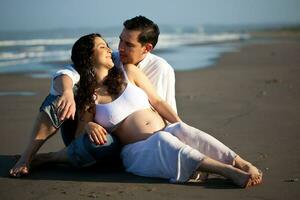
(49, 107)
(82, 152)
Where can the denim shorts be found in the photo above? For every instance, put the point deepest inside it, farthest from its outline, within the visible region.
(81, 151)
(49, 107)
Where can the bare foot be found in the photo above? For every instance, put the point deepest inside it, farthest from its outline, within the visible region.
(239, 177)
(199, 176)
(256, 174)
(21, 168)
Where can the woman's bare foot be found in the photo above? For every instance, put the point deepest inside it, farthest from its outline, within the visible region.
(239, 177)
(255, 174)
(21, 168)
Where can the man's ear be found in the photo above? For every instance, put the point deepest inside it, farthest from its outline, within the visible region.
(148, 47)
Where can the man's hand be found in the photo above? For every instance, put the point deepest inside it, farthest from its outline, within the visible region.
(66, 105)
(96, 133)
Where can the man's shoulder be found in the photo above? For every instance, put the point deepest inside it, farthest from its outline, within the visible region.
(159, 63)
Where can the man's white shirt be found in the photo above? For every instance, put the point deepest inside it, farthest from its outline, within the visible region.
(159, 72)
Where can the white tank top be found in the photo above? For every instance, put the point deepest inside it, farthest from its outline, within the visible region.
(131, 100)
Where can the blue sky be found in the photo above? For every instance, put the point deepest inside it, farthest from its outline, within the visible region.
(49, 14)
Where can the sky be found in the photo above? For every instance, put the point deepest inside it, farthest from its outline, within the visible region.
(52, 14)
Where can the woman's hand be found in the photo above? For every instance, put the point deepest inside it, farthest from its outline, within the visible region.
(96, 133)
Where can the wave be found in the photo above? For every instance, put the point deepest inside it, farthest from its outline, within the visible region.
(14, 52)
(171, 40)
(34, 42)
(31, 54)
(8, 59)
(164, 40)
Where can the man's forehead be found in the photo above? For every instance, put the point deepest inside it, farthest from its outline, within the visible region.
(130, 35)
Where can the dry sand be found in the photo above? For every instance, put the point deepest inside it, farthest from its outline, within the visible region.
(250, 100)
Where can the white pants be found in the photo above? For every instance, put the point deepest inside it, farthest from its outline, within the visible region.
(174, 153)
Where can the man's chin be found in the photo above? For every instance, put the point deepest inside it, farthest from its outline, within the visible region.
(124, 61)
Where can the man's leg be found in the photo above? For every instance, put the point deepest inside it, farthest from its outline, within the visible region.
(42, 130)
(67, 130)
(46, 124)
(82, 153)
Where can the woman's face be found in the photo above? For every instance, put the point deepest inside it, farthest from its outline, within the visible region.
(102, 53)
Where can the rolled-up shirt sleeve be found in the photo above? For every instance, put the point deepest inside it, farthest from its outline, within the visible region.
(67, 70)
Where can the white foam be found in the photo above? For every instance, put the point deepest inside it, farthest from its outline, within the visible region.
(8, 56)
(172, 40)
(34, 42)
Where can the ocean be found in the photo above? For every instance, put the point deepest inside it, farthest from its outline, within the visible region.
(40, 53)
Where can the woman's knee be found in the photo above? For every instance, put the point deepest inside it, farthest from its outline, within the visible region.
(166, 138)
(178, 128)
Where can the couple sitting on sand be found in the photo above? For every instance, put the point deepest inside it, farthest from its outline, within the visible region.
(123, 106)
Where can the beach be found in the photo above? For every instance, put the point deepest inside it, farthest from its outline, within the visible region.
(249, 100)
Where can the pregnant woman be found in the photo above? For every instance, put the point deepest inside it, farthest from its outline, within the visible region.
(122, 101)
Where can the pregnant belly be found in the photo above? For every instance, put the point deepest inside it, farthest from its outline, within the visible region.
(139, 126)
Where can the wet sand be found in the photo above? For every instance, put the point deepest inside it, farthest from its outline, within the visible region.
(250, 100)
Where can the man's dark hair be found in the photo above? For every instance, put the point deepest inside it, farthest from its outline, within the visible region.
(149, 30)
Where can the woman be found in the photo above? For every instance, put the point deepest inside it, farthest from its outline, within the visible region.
(124, 102)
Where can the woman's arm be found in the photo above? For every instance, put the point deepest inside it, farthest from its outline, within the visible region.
(163, 108)
(96, 133)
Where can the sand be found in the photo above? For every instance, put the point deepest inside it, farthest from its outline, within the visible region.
(250, 100)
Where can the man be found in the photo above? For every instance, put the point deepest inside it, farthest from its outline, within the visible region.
(137, 40)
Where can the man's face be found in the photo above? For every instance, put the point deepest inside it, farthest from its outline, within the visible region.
(131, 51)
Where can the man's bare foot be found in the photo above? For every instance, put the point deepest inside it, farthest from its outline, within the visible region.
(20, 169)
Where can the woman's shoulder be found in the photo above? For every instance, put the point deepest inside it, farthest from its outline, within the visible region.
(130, 67)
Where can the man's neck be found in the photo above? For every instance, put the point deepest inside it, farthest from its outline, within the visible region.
(142, 59)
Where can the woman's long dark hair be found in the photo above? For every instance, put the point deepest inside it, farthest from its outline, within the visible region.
(83, 60)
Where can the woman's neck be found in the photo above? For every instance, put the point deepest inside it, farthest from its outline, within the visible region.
(101, 73)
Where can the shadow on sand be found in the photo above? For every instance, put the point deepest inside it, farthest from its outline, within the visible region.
(97, 173)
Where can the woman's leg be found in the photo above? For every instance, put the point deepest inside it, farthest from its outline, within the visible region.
(42, 130)
(203, 142)
(239, 177)
(256, 174)
(211, 147)
(165, 156)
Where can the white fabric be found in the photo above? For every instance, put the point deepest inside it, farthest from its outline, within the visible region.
(160, 74)
(69, 71)
(174, 153)
(131, 100)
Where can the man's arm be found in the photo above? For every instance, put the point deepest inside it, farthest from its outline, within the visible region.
(62, 84)
(66, 106)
